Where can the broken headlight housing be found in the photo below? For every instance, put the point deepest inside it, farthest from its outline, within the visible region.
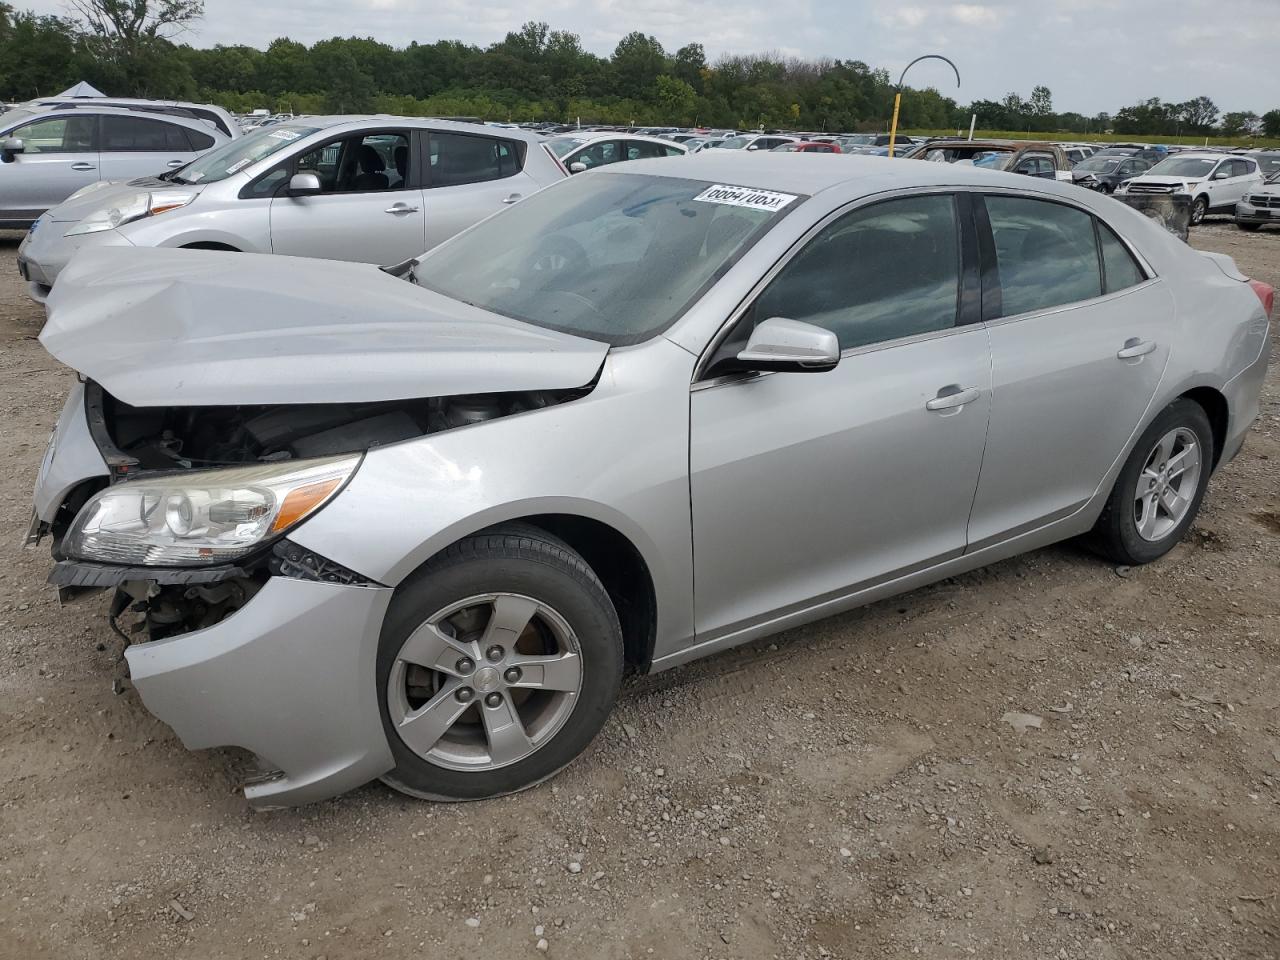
(195, 519)
(130, 207)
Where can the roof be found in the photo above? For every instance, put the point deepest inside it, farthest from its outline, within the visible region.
(324, 123)
(593, 135)
(811, 173)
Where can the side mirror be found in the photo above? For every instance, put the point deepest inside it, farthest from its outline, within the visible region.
(753, 147)
(303, 184)
(1221, 175)
(10, 148)
(791, 346)
(577, 167)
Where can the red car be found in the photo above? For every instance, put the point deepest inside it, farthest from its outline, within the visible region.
(807, 146)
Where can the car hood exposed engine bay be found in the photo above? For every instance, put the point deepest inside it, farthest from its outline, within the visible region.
(199, 360)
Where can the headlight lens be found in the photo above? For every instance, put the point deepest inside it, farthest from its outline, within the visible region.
(195, 519)
(126, 209)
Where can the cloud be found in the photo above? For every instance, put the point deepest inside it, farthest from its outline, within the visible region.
(973, 14)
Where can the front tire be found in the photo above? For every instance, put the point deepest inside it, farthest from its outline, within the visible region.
(499, 662)
(1199, 210)
(1158, 493)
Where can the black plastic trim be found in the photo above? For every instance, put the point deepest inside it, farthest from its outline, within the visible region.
(78, 573)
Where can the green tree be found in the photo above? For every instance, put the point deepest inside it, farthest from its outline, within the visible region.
(637, 61)
(676, 99)
(1271, 123)
(690, 65)
(1240, 121)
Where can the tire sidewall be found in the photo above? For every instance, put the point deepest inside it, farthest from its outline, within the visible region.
(1199, 210)
(1182, 413)
(594, 623)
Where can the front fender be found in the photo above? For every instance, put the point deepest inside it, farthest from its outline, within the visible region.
(619, 455)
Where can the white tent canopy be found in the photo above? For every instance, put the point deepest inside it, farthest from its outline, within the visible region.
(81, 89)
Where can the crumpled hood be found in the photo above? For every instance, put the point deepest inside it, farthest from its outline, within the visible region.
(73, 211)
(209, 328)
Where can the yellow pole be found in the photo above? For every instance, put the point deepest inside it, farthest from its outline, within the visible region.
(893, 130)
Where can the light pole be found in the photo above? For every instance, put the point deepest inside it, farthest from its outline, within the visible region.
(897, 97)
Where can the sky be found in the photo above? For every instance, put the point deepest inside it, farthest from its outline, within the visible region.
(1094, 55)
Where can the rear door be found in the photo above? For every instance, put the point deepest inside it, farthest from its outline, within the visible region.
(60, 156)
(133, 146)
(370, 209)
(1079, 341)
(469, 177)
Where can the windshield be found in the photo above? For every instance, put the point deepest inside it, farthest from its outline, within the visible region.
(1183, 167)
(238, 154)
(612, 257)
(1268, 164)
(733, 143)
(563, 145)
(1099, 164)
(867, 139)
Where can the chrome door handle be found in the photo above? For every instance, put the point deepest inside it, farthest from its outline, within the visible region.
(950, 401)
(83, 166)
(400, 208)
(514, 198)
(1133, 347)
(175, 163)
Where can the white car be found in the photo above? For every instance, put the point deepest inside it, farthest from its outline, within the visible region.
(753, 141)
(370, 189)
(1216, 182)
(580, 152)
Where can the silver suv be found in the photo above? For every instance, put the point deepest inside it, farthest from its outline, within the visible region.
(374, 189)
(48, 153)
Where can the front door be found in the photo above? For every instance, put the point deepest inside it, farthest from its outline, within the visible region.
(370, 209)
(1077, 352)
(60, 156)
(806, 486)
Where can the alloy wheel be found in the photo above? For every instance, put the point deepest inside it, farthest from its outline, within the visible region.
(1167, 484)
(484, 682)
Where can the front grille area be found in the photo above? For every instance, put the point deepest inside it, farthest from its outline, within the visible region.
(1150, 188)
(1264, 201)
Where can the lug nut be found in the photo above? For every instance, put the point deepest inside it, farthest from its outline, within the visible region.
(512, 675)
(494, 653)
(493, 700)
(464, 694)
(465, 665)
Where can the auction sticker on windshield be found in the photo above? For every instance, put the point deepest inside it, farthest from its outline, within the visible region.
(745, 197)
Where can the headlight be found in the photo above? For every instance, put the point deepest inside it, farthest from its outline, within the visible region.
(126, 209)
(194, 519)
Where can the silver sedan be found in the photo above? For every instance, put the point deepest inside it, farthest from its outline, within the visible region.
(371, 189)
(417, 526)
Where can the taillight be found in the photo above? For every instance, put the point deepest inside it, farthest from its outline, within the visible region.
(1266, 293)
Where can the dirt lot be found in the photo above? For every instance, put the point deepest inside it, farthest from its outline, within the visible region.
(846, 790)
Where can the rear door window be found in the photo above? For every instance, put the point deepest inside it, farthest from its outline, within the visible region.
(1046, 254)
(124, 134)
(457, 158)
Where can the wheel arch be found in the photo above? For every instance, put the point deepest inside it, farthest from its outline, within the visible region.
(1214, 403)
(614, 556)
(210, 245)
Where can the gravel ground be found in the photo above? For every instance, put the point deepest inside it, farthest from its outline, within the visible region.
(849, 789)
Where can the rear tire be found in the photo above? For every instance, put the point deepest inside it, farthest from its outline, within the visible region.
(439, 642)
(1158, 493)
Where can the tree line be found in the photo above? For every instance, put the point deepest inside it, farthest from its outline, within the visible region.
(132, 48)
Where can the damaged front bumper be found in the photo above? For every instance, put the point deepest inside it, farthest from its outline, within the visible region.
(290, 677)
